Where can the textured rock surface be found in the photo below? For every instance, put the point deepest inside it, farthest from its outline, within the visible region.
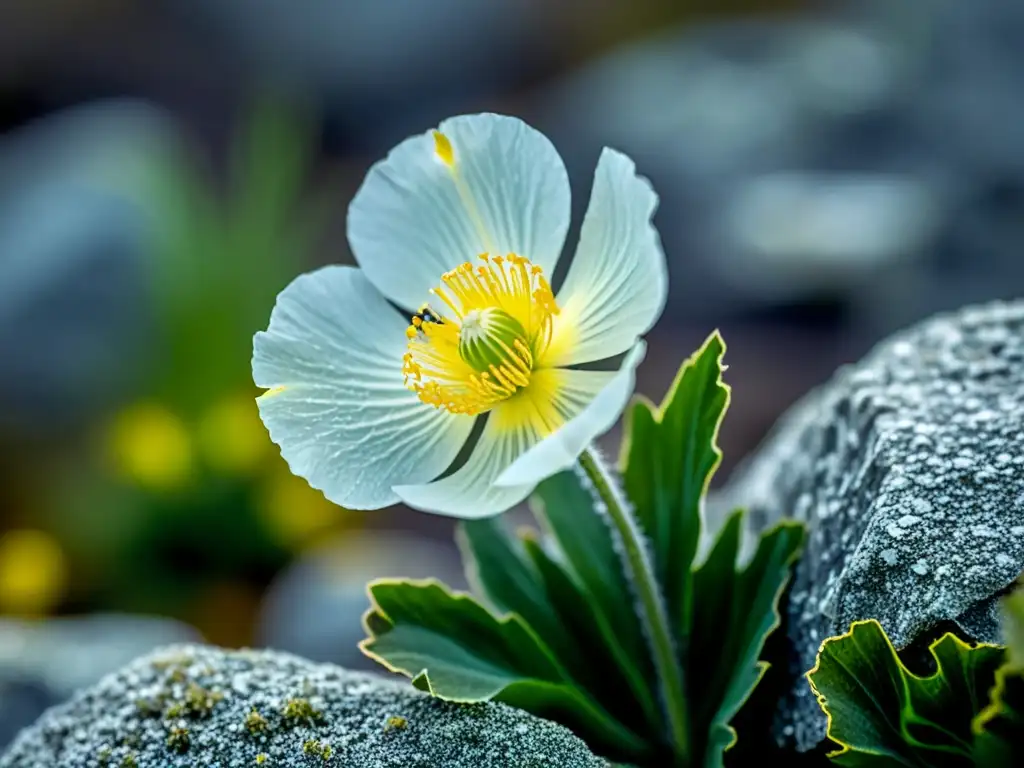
(909, 469)
(200, 706)
(43, 662)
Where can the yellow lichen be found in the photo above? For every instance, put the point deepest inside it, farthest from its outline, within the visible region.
(199, 701)
(300, 710)
(178, 740)
(316, 749)
(256, 723)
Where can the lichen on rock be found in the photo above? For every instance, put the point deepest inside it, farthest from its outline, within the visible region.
(909, 469)
(196, 705)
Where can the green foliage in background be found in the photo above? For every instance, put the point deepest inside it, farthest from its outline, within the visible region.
(554, 628)
(186, 466)
(227, 243)
(968, 711)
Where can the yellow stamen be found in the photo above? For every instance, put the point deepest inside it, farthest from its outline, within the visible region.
(484, 352)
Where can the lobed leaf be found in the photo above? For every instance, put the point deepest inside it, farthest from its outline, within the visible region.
(669, 458)
(497, 568)
(584, 537)
(454, 648)
(880, 713)
(735, 609)
(999, 727)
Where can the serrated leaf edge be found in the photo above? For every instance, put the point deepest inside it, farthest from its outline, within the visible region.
(658, 411)
(761, 665)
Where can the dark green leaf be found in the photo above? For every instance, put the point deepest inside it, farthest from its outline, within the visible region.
(584, 537)
(878, 708)
(669, 458)
(497, 569)
(734, 612)
(999, 728)
(599, 663)
(451, 646)
(1013, 628)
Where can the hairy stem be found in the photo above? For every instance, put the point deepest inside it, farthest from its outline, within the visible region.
(652, 607)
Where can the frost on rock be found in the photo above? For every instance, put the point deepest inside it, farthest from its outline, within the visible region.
(200, 706)
(909, 469)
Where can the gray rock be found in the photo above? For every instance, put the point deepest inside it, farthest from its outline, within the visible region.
(71, 652)
(196, 705)
(717, 115)
(74, 251)
(909, 469)
(845, 155)
(44, 662)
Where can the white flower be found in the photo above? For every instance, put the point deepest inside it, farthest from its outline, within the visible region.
(463, 226)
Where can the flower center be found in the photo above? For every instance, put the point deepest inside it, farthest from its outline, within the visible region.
(497, 326)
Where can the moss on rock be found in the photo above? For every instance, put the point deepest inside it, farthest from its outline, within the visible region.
(211, 707)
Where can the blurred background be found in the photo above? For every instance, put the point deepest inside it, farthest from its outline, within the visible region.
(828, 173)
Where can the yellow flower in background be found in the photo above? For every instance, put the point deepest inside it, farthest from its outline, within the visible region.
(232, 437)
(33, 572)
(151, 446)
(292, 512)
(462, 228)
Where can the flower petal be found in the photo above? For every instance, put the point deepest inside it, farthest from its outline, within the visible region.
(512, 456)
(470, 493)
(483, 183)
(618, 282)
(337, 405)
(561, 449)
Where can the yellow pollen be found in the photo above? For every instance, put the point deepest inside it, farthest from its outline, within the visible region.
(499, 322)
(443, 149)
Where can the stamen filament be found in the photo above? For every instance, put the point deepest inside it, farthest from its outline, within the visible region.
(500, 324)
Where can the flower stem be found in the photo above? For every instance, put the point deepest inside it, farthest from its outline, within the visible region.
(652, 613)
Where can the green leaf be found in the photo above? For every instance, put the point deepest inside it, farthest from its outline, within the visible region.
(566, 511)
(877, 708)
(999, 728)
(497, 568)
(584, 537)
(669, 458)
(735, 610)
(574, 609)
(452, 647)
(518, 576)
(599, 662)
